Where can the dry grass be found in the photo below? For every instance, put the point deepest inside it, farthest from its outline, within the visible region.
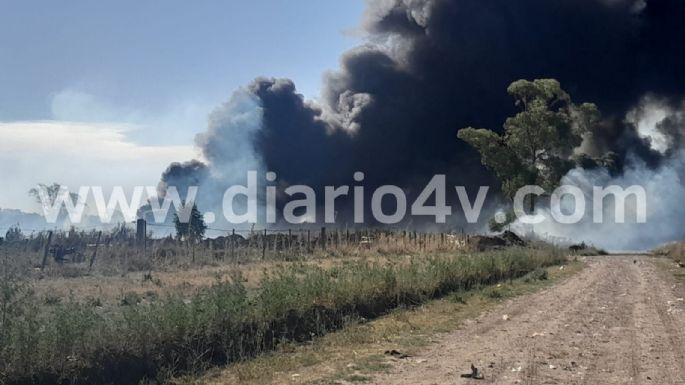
(184, 283)
(675, 251)
(208, 305)
(229, 322)
(170, 268)
(179, 278)
(354, 353)
(119, 254)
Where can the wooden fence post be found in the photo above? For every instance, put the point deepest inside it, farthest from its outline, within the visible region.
(309, 242)
(141, 233)
(347, 237)
(323, 238)
(264, 246)
(233, 245)
(47, 249)
(95, 252)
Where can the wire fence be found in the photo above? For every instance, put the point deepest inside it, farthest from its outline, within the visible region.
(130, 247)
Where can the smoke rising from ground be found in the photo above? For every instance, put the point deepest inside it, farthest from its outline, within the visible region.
(431, 67)
(665, 212)
(662, 126)
(227, 153)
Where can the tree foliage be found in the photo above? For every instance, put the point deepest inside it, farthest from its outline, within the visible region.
(538, 142)
(500, 224)
(192, 230)
(14, 234)
(52, 192)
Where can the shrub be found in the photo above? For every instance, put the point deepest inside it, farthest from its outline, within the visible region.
(538, 274)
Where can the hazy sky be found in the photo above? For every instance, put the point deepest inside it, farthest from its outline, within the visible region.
(124, 86)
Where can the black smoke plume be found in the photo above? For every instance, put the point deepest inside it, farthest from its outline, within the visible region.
(182, 176)
(431, 67)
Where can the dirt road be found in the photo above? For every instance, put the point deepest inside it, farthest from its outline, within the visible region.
(616, 322)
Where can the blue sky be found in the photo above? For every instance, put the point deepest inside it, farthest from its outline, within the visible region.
(144, 73)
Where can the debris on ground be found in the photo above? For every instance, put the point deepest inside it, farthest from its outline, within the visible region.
(506, 239)
(396, 354)
(578, 247)
(475, 374)
(483, 242)
(587, 250)
(512, 239)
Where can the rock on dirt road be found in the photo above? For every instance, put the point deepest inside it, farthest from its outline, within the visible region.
(616, 322)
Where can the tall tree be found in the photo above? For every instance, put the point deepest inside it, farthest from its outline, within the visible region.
(192, 230)
(538, 142)
(14, 234)
(51, 192)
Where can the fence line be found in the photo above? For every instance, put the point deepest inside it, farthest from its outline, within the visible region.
(234, 245)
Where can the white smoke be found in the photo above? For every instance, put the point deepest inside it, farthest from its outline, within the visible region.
(646, 118)
(227, 143)
(664, 189)
(227, 154)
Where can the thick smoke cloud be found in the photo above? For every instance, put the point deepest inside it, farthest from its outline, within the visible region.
(661, 124)
(227, 143)
(227, 153)
(430, 67)
(664, 189)
(182, 176)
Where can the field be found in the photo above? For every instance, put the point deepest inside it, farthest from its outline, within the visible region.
(166, 309)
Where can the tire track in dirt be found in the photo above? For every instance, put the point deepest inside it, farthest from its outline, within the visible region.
(610, 336)
(539, 325)
(669, 331)
(616, 322)
(525, 328)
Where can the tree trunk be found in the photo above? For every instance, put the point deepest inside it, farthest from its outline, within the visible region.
(532, 204)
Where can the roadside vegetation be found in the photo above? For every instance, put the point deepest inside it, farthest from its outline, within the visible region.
(65, 340)
(358, 351)
(676, 252)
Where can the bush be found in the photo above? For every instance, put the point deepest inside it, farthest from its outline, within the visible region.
(14, 234)
(130, 298)
(538, 274)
